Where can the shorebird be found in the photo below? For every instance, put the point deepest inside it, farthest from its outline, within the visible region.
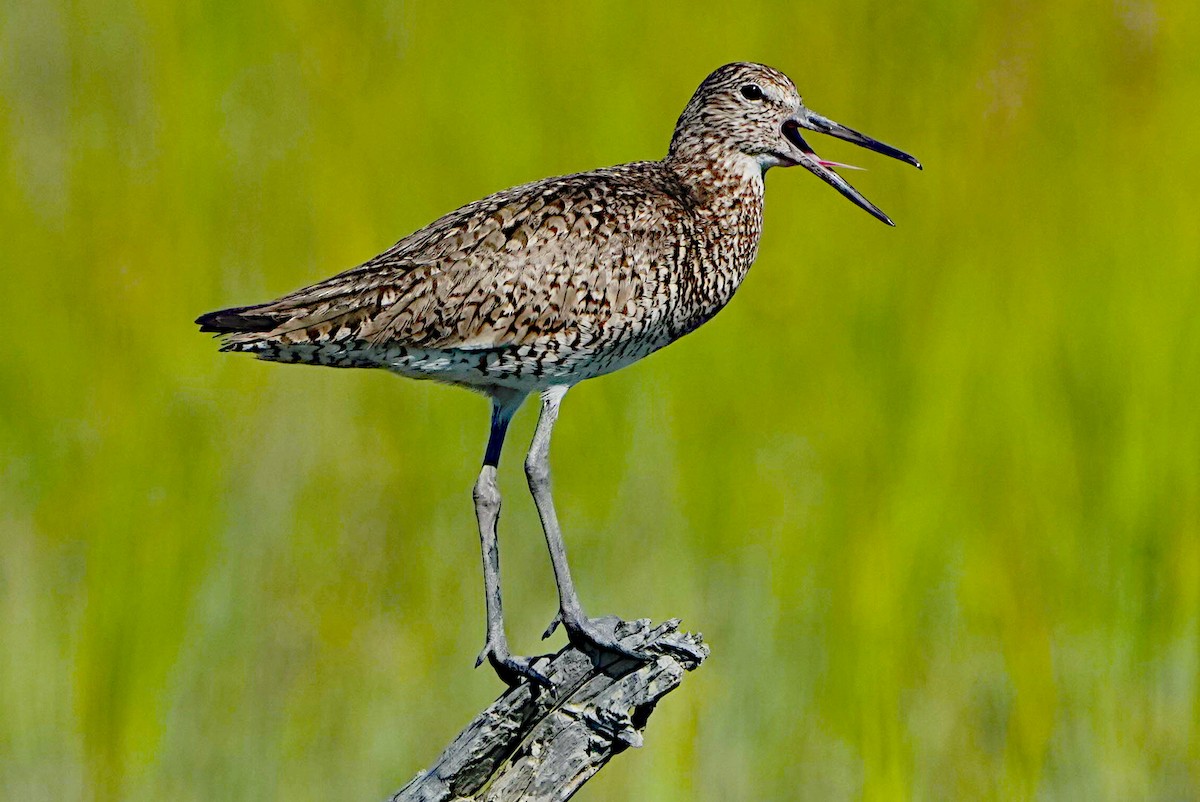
(538, 287)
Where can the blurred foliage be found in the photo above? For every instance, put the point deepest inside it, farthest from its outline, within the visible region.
(931, 493)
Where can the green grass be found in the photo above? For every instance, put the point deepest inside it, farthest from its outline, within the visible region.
(931, 493)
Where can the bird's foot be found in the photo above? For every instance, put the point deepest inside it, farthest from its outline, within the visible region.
(604, 634)
(607, 634)
(512, 670)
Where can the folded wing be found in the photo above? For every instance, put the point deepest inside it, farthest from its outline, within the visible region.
(562, 257)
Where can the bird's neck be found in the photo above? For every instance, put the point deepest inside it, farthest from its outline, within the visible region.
(719, 183)
(727, 197)
(726, 211)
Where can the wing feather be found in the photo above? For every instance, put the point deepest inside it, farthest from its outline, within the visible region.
(561, 255)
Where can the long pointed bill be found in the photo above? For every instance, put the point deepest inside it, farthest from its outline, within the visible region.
(823, 169)
(824, 125)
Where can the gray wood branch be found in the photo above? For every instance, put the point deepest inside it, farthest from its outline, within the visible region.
(533, 745)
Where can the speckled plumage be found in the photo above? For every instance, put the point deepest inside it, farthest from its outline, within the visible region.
(541, 286)
(550, 282)
(558, 280)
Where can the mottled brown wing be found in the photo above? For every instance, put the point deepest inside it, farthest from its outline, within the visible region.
(562, 256)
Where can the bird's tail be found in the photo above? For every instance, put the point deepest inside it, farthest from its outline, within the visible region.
(247, 328)
(241, 320)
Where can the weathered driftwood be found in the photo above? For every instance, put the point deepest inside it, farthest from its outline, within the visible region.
(534, 744)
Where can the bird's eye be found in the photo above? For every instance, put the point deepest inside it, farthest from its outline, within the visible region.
(752, 92)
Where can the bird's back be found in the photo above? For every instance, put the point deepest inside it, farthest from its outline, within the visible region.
(554, 280)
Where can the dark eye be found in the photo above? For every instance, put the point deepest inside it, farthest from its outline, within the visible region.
(752, 92)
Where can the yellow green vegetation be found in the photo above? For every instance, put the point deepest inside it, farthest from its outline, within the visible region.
(932, 493)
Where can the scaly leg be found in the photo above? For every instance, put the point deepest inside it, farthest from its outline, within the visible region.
(487, 509)
(596, 632)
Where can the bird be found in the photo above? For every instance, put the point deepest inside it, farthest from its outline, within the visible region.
(536, 288)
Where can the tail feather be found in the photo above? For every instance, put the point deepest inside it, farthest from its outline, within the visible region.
(240, 319)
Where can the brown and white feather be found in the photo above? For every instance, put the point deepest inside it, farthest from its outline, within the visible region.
(549, 282)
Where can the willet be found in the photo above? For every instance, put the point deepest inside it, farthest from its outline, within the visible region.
(539, 287)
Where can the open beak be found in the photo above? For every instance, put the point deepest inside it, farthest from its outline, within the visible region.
(805, 156)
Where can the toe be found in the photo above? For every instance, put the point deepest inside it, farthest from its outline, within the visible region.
(513, 670)
(601, 633)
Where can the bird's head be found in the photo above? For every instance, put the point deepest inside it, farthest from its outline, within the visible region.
(752, 115)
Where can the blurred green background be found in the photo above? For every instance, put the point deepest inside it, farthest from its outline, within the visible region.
(931, 493)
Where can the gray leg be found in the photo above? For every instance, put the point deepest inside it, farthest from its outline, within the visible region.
(487, 509)
(596, 632)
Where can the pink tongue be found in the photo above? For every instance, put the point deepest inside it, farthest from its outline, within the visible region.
(825, 163)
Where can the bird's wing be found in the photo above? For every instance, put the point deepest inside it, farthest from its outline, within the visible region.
(565, 256)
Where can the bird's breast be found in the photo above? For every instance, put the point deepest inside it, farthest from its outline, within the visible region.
(723, 248)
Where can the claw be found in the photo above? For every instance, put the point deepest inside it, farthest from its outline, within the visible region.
(553, 626)
(483, 655)
(513, 670)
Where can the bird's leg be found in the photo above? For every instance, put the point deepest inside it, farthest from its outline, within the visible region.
(487, 509)
(596, 632)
